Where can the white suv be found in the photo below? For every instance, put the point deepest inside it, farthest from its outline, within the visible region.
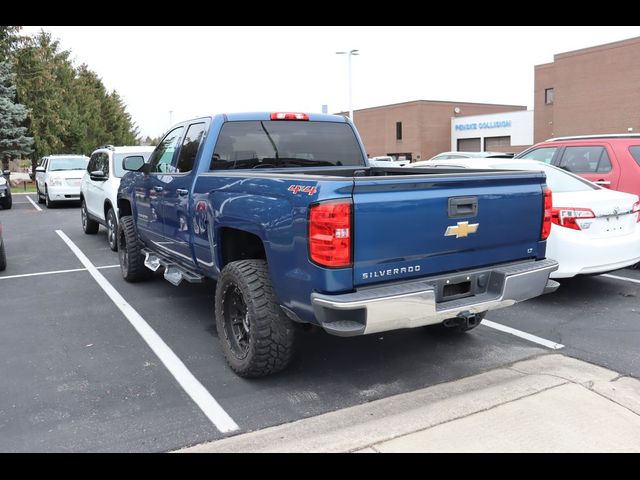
(58, 178)
(99, 189)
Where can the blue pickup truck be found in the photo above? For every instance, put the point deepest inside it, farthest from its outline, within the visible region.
(283, 211)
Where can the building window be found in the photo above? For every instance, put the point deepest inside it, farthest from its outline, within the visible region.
(469, 144)
(549, 96)
(493, 142)
(398, 130)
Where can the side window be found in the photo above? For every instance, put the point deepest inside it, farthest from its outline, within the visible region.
(544, 154)
(189, 147)
(604, 165)
(93, 161)
(104, 163)
(162, 156)
(585, 159)
(635, 153)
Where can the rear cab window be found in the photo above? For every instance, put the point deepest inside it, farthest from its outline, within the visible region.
(284, 144)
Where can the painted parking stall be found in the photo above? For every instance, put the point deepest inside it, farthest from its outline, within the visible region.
(81, 377)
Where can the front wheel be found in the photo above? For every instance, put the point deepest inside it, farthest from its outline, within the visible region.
(257, 337)
(112, 230)
(7, 203)
(3, 257)
(130, 252)
(90, 227)
(47, 201)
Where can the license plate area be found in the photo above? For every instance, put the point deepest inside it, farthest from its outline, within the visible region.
(461, 286)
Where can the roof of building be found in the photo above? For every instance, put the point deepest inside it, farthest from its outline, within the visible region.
(445, 102)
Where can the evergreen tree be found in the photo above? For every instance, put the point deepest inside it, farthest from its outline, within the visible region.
(71, 110)
(14, 141)
(8, 40)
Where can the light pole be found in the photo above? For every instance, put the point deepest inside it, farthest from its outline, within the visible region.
(350, 54)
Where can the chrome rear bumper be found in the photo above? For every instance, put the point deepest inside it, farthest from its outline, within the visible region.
(415, 304)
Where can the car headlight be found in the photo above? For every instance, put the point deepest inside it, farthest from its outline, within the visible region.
(3, 181)
(55, 181)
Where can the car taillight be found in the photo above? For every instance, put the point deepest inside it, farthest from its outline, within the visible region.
(546, 219)
(636, 209)
(330, 234)
(570, 217)
(289, 116)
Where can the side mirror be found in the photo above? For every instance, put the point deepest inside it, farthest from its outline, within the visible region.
(6, 173)
(134, 163)
(98, 176)
(40, 169)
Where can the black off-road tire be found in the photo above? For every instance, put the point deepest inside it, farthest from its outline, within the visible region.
(269, 346)
(90, 227)
(7, 203)
(130, 252)
(442, 328)
(112, 230)
(39, 195)
(3, 257)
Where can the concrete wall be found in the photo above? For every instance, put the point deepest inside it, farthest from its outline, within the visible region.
(520, 129)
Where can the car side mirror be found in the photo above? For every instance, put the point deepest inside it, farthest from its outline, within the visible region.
(40, 169)
(97, 176)
(133, 163)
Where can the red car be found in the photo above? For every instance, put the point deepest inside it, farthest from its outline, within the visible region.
(612, 161)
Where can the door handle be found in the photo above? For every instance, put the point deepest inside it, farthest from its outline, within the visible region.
(158, 189)
(182, 192)
(603, 183)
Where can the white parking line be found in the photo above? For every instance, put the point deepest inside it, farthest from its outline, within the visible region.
(209, 406)
(525, 335)
(35, 205)
(55, 272)
(626, 279)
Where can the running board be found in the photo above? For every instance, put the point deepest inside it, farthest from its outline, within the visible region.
(173, 273)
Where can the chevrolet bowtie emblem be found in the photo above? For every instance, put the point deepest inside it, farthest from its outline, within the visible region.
(463, 229)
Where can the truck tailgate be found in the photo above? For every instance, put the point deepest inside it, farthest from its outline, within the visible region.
(409, 227)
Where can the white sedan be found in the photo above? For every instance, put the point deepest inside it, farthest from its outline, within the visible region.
(58, 178)
(594, 230)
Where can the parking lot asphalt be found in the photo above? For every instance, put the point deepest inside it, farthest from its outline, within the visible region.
(77, 375)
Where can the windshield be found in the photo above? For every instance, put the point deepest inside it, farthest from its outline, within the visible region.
(68, 163)
(118, 171)
(557, 180)
(277, 144)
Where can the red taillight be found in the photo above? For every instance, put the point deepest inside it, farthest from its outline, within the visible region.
(636, 209)
(546, 219)
(330, 234)
(289, 116)
(569, 217)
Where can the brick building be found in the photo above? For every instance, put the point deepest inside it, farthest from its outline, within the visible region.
(589, 91)
(417, 130)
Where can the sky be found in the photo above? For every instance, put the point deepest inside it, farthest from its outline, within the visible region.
(169, 74)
